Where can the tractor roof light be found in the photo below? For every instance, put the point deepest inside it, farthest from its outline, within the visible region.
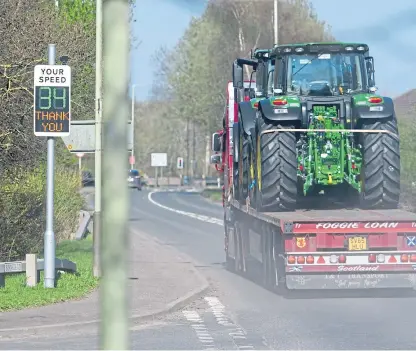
(361, 48)
(299, 49)
(349, 48)
(287, 50)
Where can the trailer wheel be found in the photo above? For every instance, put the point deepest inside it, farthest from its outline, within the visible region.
(380, 175)
(276, 169)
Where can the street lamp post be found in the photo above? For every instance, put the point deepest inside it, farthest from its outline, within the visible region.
(133, 104)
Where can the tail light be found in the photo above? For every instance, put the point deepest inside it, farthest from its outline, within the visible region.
(342, 259)
(412, 258)
(310, 259)
(404, 258)
(372, 258)
(279, 102)
(301, 260)
(375, 100)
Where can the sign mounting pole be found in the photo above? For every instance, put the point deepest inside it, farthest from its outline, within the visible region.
(96, 237)
(49, 239)
(52, 118)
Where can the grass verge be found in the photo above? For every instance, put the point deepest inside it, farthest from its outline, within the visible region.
(16, 295)
(213, 194)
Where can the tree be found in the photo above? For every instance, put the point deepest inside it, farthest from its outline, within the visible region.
(192, 77)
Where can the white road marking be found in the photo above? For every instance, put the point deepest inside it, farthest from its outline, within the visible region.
(199, 217)
(237, 333)
(200, 329)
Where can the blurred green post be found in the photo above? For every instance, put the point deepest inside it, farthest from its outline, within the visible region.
(114, 331)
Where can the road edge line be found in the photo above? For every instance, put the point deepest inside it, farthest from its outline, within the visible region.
(201, 218)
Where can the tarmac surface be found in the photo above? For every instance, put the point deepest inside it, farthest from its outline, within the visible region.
(233, 313)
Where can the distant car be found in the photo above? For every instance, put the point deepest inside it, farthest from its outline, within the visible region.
(87, 178)
(134, 180)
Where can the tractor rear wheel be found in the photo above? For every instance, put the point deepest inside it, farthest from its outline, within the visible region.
(380, 175)
(276, 168)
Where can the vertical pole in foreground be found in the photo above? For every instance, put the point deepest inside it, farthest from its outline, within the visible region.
(276, 22)
(132, 120)
(49, 237)
(98, 139)
(114, 331)
(187, 148)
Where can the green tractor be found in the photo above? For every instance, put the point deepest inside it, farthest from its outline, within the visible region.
(324, 130)
(246, 115)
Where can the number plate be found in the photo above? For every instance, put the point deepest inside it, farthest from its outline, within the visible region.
(280, 110)
(357, 243)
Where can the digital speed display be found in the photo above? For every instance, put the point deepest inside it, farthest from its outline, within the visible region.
(52, 100)
(52, 109)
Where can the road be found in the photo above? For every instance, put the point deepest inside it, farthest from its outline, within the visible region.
(239, 314)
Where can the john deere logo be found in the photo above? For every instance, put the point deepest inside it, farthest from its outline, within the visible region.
(300, 243)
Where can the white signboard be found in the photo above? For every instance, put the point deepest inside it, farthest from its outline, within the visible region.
(180, 163)
(159, 159)
(82, 138)
(52, 100)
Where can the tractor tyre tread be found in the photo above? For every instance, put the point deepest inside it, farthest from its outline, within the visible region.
(381, 166)
(279, 169)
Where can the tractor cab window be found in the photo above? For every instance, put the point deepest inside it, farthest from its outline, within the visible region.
(325, 74)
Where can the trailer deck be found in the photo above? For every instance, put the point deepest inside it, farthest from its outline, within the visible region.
(329, 215)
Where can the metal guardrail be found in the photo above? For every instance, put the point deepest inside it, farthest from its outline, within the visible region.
(32, 266)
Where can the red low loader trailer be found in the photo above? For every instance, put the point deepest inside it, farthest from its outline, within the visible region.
(322, 249)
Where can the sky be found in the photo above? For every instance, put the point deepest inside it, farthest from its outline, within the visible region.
(389, 28)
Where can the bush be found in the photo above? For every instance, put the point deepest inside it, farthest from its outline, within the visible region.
(22, 205)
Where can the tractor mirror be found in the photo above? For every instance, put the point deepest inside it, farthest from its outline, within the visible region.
(215, 159)
(237, 75)
(216, 142)
(369, 61)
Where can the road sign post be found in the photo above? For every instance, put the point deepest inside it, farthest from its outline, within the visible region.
(158, 160)
(52, 118)
(132, 161)
(179, 163)
(80, 155)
